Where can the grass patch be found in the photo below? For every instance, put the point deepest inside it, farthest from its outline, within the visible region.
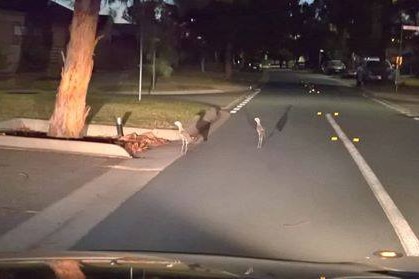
(412, 81)
(151, 112)
(112, 82)
(29, 84)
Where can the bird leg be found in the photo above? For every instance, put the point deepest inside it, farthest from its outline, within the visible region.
(183, 146)
(263, 139)
(260, 141)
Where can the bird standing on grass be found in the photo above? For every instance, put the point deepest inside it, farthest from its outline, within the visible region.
(261, 132)
(185, 137)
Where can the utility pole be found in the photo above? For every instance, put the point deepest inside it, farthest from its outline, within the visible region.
(153, 80)
(321, 51)
(397, 78)
(140, 75)
(141, 62)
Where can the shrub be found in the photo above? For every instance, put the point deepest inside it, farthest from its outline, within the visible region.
(163, 68)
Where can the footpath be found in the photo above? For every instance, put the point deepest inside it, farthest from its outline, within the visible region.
(405, 100)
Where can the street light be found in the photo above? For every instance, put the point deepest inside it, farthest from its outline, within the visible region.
(321, 51)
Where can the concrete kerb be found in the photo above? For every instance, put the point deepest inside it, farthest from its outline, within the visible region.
(66, 146)
(385, 99)
(216, 117)
(172, 92)
(213, 116)
(377, 97)
(69, 146)
(182, 92)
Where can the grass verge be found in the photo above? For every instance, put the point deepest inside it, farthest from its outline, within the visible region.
(128, 81)
(151, 112)
(412, 81)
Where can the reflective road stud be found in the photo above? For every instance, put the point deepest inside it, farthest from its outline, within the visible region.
(319, 113)
(334, 138)
(336, 113)
(356, 140)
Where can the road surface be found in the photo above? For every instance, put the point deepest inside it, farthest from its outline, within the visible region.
(302, 196)
(312, 193)
(31, 180)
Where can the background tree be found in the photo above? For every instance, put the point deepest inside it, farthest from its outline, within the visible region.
(355, 25)
(220, 23)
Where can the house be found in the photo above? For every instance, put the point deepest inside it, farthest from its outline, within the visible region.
(11, 33)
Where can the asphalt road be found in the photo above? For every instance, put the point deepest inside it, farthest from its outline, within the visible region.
(32, 180)
(300, 197)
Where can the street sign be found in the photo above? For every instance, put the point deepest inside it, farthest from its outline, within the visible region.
(411, 27)
(399, 60)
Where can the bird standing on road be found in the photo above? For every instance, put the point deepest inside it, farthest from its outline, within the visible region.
(185, 137)
(261, 132)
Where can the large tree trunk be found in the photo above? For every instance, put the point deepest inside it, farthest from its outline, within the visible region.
(70, 112)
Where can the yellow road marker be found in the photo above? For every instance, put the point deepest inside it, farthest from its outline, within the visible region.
(334, 138)
(356, 140)
(319, 113)
(388, 254)
(336, 113)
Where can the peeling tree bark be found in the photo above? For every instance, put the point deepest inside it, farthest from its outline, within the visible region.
(70, 112)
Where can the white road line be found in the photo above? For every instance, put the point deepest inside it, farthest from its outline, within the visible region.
(392, 106)
(134, 169)
(402, 228)
(231, 104)
(244, 102)
(62, 224)
(416, 118)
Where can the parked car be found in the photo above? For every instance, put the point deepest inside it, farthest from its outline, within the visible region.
(252, 66)
(333, 67)
(374, 69)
